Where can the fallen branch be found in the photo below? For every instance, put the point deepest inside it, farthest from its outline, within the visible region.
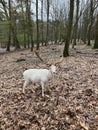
(21, 59)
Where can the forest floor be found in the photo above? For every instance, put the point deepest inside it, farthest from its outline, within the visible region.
(70, 102)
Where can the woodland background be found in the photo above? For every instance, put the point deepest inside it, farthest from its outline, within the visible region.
(52, 29)
(25, 23)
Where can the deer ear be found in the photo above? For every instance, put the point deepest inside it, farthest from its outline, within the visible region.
(53, 68)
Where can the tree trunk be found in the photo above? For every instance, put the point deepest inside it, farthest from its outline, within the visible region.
(9, 42)
(91, 22)
(27, 23)
(30, 26)
(9, 37)
(76, 23)
(28, 39)
(24, 35)
(14, 31)
(85, 22)
(47, 35)
(89, 33)
(42, 20)
(69, 29)
(37, 25)
(24, 29)
(96, 35)
(15, 40)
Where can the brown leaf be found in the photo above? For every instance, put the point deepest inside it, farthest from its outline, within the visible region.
(1, 114)
(84, 125)
(43, 128)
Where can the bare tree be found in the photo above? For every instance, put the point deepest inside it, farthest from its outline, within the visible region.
(27, 22)
(69, 29)
(85, 22)
(96, 35)
(47, 34)
(11, 17)
(42, 20)
(76, 22)
(91, 21)
(37, 25)
(9, 38)
(23, 21)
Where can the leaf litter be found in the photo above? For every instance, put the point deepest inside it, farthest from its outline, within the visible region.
(70, 102)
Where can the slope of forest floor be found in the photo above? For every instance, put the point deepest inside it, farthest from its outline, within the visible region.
(70, 102)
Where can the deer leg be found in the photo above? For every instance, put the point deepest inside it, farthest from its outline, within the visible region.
(24, 85)
(42, 85)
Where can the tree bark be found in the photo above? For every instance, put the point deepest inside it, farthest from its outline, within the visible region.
(91, 22)
(9, 37)
(24, 28)
(37, 25)
(27, 23)
(76, 23)
(69, 29)
(14, 31)
(96, 35)
(42, 20)
(47, 35)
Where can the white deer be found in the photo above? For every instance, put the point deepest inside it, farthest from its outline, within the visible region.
(38, 75)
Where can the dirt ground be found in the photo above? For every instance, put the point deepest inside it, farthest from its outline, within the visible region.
(70, 102)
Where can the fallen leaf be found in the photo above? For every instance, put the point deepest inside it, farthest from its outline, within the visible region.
(84, 125)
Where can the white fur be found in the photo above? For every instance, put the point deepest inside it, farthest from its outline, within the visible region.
(38, 75)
